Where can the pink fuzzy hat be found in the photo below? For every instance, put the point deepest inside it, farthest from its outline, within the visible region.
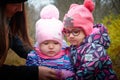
(49, 27)
(80, 16)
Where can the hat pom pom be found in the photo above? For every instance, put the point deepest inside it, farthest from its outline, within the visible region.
(49, 12)
(89, 4)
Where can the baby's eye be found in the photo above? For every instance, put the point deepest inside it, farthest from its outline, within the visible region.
(56, 43)
(45, 43)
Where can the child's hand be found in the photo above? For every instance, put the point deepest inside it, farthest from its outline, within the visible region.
(67, 73)
(63, 74)
(59, 74)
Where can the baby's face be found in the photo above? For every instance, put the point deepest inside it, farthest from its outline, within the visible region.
(50, 47)
(74, 35)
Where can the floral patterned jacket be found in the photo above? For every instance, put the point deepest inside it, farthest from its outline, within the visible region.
(90, 59)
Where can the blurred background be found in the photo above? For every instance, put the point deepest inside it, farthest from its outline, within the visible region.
(106, 12)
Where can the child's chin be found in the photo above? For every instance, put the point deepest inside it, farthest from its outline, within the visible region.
(51, 55)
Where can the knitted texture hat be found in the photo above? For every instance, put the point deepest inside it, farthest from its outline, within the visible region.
(49, 27)
(80, 16)
(2, 2)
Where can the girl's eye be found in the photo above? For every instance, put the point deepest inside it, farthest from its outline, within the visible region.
(65, 32)
(76, 31)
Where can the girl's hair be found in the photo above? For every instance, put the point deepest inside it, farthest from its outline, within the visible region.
(16, 27)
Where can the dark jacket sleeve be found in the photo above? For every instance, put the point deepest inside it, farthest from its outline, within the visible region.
(17, 46)
(18, 72)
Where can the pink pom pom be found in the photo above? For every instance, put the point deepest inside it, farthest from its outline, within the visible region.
(89, 4)
(49, 12)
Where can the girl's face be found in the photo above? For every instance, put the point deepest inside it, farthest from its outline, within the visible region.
(11, 9)
(50, 47)
(74, 35)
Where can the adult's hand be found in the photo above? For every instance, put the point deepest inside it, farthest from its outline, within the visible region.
(46, 73)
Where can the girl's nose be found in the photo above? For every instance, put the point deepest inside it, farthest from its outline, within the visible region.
(71, 35)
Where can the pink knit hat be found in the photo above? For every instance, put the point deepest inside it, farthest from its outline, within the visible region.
(80, 16)
(49, 27)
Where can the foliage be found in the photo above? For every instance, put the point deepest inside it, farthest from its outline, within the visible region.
(112, 22)
(14, 59)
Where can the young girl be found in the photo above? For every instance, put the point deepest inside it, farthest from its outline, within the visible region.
(49, 53)
(88, 44)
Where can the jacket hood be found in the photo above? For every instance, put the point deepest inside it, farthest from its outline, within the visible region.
(99, 36)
